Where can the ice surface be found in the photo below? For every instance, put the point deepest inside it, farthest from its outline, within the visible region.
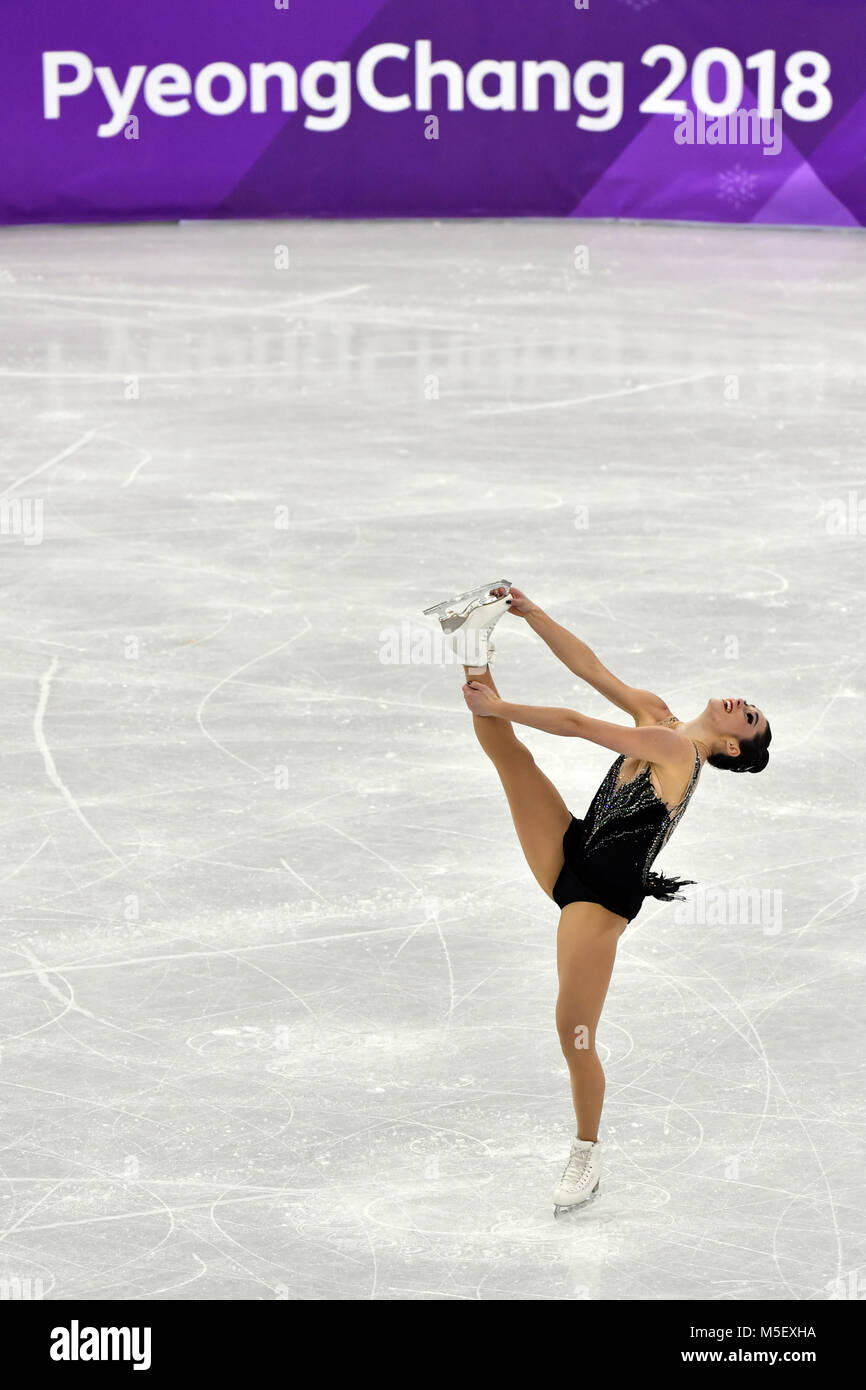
(277, 987)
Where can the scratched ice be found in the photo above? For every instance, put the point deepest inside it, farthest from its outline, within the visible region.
(277, 987)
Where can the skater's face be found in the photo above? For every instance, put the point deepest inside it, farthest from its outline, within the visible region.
(736, 718)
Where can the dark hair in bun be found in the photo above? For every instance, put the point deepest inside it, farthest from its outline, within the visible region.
(753, 756)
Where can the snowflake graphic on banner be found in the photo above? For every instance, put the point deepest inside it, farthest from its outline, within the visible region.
(737, 186)
(639, 4)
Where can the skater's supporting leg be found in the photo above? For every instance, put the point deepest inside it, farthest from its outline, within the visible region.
(540, 815)
(585, 951)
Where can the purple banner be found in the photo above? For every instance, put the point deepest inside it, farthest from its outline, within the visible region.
(749, 111)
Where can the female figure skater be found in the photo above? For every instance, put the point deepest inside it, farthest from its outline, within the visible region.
(598, 869)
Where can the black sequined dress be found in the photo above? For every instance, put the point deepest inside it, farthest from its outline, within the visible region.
(609, 854)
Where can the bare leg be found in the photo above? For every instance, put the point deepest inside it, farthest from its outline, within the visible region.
(585, 952)
(540, 815)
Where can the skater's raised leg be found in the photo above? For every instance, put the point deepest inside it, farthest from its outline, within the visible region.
(540, 815)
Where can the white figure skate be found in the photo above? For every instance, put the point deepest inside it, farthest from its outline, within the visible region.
(579, 1184)
(468, 621)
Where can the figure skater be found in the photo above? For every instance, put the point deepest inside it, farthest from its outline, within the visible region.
(598, 869)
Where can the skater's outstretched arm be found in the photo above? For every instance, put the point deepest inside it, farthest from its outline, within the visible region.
(650, 743)
(643, 706)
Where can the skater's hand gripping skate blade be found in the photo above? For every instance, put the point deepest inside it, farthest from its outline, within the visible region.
(462, 603)
(520, 605)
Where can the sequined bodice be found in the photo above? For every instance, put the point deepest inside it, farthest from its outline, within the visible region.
(628, 824)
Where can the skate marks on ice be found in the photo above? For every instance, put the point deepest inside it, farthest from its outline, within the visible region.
(277, 989)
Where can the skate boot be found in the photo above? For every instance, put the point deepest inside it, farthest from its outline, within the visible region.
(579, 1183)
(468, 622)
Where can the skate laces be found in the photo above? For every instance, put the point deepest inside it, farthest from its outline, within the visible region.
(577, 1171)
